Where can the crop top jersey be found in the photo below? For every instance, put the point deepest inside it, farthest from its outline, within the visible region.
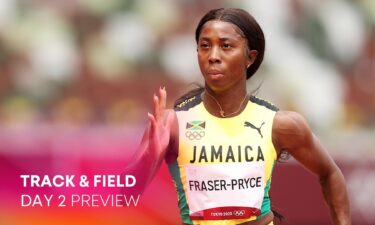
(222, 173)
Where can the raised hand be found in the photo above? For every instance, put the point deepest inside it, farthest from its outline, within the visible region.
(154, 144)
(160, 125)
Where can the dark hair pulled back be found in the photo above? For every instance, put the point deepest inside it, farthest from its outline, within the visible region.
(250, 30)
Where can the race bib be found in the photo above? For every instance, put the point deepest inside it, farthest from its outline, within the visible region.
(225, 191)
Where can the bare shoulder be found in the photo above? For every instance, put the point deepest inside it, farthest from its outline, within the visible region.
(170, 111)
(289, 121)
(170, 114)
(173, 143)
(291, 133)
(290, 130)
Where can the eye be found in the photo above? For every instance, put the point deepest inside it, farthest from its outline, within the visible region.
(204, 45)
(226, 46)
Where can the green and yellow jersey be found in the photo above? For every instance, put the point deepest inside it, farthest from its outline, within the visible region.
(222, 173)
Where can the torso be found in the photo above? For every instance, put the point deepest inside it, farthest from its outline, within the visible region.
(226, 159)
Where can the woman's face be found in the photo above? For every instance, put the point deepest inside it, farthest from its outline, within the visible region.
(223, 55)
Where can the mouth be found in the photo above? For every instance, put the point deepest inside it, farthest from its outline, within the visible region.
(214, 73)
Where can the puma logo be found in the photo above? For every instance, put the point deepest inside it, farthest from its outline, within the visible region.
(248, 124)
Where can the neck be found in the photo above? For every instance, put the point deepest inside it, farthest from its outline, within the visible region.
(226, 103)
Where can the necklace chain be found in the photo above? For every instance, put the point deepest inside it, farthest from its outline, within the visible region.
(222, 113)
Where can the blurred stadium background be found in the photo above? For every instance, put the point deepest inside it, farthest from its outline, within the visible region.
(77, 78)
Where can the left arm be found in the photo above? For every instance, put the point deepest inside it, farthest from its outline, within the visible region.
(291, 133)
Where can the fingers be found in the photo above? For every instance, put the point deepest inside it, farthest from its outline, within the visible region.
(156, 107)
(160, 103)
(163, 98)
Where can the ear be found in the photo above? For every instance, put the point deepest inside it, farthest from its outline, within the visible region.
(251, 56)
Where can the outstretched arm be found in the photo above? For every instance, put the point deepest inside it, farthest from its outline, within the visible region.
(157, 139)
(291, 133)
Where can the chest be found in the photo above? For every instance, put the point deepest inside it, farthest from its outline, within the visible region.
(222, 141)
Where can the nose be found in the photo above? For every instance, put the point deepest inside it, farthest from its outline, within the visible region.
(214, 56)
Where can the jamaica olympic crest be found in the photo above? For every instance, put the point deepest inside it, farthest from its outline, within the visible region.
(195, 130)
